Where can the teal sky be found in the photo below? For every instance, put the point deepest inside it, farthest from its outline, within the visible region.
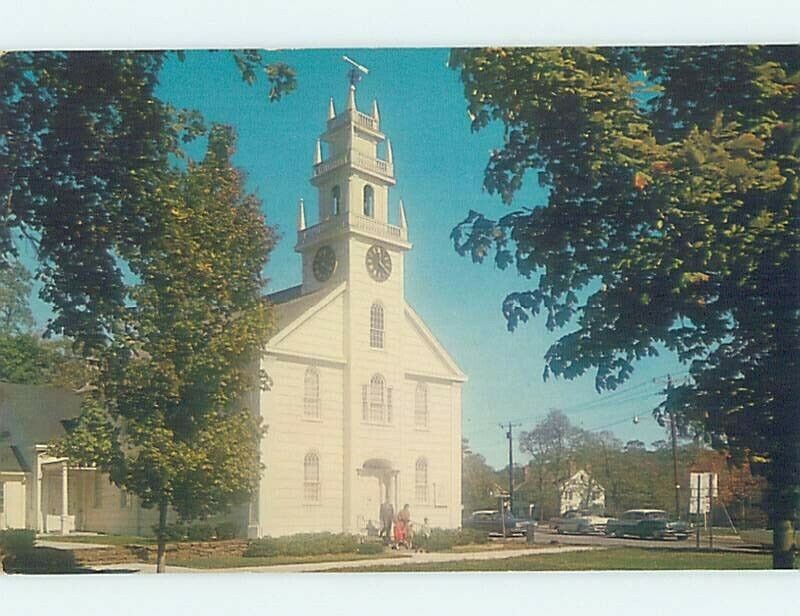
(439, 166)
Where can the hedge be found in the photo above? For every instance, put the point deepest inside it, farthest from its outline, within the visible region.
(17, 542)
(441, 539)
(201, 531)
(305, 544)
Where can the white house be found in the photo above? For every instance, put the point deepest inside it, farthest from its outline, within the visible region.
(365, 403)
(50, 494)
(582, 492)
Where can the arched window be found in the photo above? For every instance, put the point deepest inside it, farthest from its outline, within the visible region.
(421, 480)
(311, 399)
(369, 201)
(336, 200)
(376, 400)
(377, 394)
(376, 326)
(421, 406)
(311, 481)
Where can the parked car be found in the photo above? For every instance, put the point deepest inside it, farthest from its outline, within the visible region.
(493, 523)
(647, 524)
(580, 522)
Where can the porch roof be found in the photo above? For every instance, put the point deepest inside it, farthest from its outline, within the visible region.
(11, 461)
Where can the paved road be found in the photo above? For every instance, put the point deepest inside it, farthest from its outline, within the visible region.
(546, 535)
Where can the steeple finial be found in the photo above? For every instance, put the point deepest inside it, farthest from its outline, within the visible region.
(331, 109)
(351, 98)
(403, 221)
(318, 153)
(389, 153)
(375, 113)
(301, 216)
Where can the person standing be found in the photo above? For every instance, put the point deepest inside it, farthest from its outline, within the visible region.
(402, 533)
(387, 517)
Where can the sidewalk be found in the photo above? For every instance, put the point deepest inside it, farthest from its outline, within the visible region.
(414, 557)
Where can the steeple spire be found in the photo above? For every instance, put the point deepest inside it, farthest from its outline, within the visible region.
(375, 113)
(351, 98)
(318, 153)
(301, 216)
(403, 221)
(389, 153)
(331, 109)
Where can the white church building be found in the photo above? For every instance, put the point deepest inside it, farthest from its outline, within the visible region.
(365, 402)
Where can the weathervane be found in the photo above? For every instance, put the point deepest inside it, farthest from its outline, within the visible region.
(356, 72)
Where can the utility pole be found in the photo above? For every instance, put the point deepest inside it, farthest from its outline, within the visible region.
(674, 453)
(510, 437)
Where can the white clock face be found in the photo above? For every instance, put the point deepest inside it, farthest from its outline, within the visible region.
(379, 263)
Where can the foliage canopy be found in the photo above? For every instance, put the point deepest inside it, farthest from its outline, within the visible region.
(170, 421)
(672, 218)
(84, 142)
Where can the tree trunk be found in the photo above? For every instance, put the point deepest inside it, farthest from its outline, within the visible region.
(161, 560)
(783, 545)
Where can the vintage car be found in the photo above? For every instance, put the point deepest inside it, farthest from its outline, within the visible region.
(493, 523)
(579, 522)
(646, 524)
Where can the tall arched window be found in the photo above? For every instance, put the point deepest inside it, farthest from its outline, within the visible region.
(336, 200)
(311, 399)
(421, 480)
(311, 483)
(369, 201)
(376, 326)
(376, 399)
(421, 406)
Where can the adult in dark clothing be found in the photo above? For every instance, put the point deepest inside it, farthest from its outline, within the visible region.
(387, 517)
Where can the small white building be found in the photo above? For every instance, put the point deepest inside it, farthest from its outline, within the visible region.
(365, 403)
(48, 494)
(582, 492)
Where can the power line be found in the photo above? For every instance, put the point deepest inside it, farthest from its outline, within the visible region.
(616, 398)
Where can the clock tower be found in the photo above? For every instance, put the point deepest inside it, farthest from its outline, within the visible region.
(352, 239)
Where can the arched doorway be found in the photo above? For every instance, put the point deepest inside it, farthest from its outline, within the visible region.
(378, 479)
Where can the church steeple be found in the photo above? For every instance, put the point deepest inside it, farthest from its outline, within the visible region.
(353, 181)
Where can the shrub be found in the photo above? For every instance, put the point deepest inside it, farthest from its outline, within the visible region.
(200, 532)
(17, 542)
(305, 544)
(41, 560)
(470, 535)
(443, 539)
(173, 532)
(370, 548)
(439, 540)
(227, 530)
(266, 546)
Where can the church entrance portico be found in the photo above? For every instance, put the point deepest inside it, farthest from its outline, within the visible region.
(377, 483)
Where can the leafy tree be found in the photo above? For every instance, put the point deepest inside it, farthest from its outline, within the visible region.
(24, 359)
(478, 481)
(671, 218)
(168, 421)
(84, 143)
(15, 290)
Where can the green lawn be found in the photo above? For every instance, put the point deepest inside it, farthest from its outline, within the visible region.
(233, 562)
(632, 559)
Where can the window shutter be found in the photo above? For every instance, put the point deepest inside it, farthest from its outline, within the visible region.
(388, 405)
(364, 403)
